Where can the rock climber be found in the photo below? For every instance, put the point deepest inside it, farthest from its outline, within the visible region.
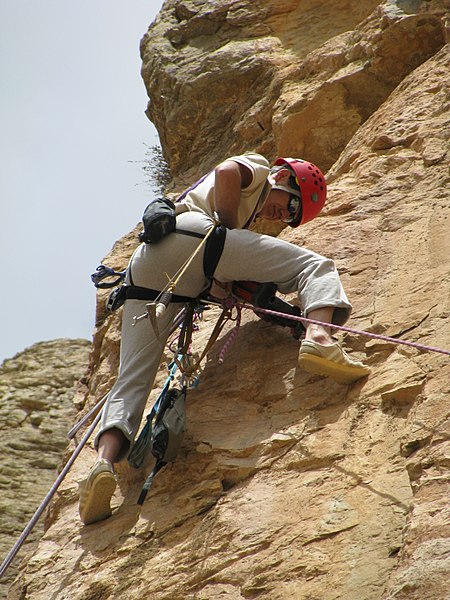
(238, 190)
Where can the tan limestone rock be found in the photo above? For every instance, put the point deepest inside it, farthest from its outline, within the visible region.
(37, 388)
(320, 73)
(289, 485)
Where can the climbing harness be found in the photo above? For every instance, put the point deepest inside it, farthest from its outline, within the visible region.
(213, 242)
(156, 309)
(158, 306)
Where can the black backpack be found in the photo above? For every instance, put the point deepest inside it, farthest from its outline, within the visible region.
(159, 220)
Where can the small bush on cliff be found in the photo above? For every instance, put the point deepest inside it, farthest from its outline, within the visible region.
(156, 169)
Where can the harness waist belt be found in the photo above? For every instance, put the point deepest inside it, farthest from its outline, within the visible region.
(135, 292)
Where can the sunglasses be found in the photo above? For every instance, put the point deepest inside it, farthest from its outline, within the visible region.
(294, 209)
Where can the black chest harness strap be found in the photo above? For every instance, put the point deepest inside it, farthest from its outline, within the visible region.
(213, 247)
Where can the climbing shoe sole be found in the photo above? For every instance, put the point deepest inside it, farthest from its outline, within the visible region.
(334, 362)
(95, 497)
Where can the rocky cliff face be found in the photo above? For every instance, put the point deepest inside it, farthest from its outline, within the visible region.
(289, 485)
(37, 389)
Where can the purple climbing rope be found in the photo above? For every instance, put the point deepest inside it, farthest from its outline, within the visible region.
(35, 518)
(349, 330)
(231, 337)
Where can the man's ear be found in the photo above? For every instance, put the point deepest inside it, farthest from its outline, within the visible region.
(282, 176)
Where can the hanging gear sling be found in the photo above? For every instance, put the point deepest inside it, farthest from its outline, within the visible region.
(163, 431)
(165, 425)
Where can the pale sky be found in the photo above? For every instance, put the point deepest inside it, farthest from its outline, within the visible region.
(72, 138)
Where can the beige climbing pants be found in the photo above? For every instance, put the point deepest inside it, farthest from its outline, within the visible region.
(247, 256)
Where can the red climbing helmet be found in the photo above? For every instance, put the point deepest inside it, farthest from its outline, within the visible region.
(310, 182)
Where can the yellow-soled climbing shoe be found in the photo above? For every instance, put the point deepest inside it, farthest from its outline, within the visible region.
(96, 492)
(331, 361)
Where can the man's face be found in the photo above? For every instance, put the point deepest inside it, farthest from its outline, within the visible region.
(276, 206)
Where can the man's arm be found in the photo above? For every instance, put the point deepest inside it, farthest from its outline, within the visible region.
(230, 178)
